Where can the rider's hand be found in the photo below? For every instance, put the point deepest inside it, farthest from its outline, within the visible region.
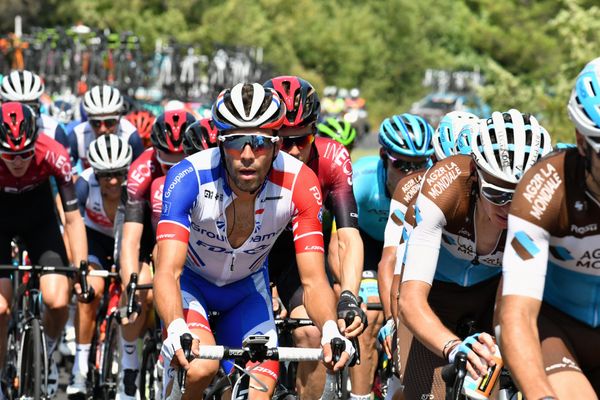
(171, 347)
(385, 336)
(480, 348)
(349, 304)
(330, 331)
(278, 309)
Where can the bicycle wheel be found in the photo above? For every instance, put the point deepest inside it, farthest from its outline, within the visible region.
(10, 374)
(109, 365)
(150, 371)
(30, 362)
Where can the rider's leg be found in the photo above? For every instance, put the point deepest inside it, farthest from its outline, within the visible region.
(5, 298)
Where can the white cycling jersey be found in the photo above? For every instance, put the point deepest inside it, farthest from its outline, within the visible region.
(89, 195)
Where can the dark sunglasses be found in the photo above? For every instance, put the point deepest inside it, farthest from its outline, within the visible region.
(298, 141)
(260, 144)
(108, 123)
(24, 155)
(406, 166)
(496, 195)
(111, 174)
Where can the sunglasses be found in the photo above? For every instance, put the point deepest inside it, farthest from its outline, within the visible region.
(108, 123)
(235, 144)
(24, 155)
(406, 166)
(111, 174)
(298, 141)
(496, 195)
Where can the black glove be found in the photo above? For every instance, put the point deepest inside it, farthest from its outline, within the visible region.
(348, 304)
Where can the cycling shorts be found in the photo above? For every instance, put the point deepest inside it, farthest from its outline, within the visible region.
(453, 304)
(577, 346)
(32, 217)
(372, 251)
(368, 287)
(100, 248)
(244, 308)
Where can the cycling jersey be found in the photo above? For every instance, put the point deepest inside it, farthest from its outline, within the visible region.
(51, 128)
(91, 203)
(443, 242)
(156, 195)
(372, 197)
(553, 243)
(143, 171)
(83, 135)
(50, 160)
(197, 194)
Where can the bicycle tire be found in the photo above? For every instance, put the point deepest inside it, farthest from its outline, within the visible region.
(109, 366)
(10, 373)
(150, 374)
(30, 363)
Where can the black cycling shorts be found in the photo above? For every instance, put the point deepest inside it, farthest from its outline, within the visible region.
(31, 216)
(100, 248)
(372, 251)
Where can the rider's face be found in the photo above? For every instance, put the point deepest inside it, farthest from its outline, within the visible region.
(593, 178)
(249, 164)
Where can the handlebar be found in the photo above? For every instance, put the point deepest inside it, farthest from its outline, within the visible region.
(454, 376)
(186, 346)
(348, 319)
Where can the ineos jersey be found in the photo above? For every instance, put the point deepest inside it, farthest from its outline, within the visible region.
(50, 159)
(83, 135)
(442, 245)
(156, 195)
(142, 173)
(197, 194)
(50, 127)
(90, 201)
(553, 243)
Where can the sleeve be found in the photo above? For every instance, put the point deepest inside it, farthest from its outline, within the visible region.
(525, 259)
(407, 228)
(308, 212)
(61, 137)
(82, 190)
(137, 147)
(394, 225)
(179, 197)
(423, 246)
(341, 197)
(72, 138)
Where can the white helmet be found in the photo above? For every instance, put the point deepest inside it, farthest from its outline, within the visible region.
(445, 136)
(508, 144)
(109, 153)
(262, 109)
(21, 86)
(103, 99)
(174, 105)
(584, 104)
(354, 92)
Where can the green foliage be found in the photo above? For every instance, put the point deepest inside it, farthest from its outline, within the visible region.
(529, 50)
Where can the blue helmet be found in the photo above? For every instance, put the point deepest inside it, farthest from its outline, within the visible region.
(463, 140)
(406, 134)
(445, 136)
(584, 103)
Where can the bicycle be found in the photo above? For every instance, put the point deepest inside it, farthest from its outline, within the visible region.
(26, 371)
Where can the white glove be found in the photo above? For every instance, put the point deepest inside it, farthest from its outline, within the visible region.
(330, 331)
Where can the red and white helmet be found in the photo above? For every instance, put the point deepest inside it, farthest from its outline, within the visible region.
(200, 135)
(300, 98)
(248, 105)
(18, 130)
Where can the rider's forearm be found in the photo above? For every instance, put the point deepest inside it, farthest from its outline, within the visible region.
(167, 290)
(385, 275)
(320, 302)
(75, 229)
(394, 297)
(520, 346)
(130, 250)
(351, 255)
(419, 318)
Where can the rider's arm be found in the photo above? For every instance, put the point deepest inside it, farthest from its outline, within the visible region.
(350, 253)
(524, 272)
(137, 146)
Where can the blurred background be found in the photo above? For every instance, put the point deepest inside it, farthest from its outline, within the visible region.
(372, 59)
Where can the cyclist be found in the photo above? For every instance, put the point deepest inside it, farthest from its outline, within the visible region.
(27, 88)
(62, 111)
(551, 263)
(28, 161)
(143, 121)
(405, 148)
(451, 266)
(222, 211)
(339, 130)
(103, 106)
(331, 162)
(137, 241)
(99, 193)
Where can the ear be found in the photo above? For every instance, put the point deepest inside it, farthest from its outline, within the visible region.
(581, 143)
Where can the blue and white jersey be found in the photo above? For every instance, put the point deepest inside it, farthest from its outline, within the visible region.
(196, 195)
(91, 204)
(372, 198)
(51, 128)
(553, 242)
(83, 135)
